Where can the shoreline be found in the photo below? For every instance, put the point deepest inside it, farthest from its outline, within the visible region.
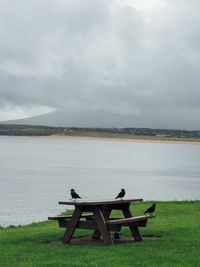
(138, 140)
(121, 139)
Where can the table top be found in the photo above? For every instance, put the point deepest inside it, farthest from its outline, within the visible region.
(98, 202)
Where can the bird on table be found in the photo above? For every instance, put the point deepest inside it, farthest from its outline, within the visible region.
(151, 209)
(121, 194)
(74, 194)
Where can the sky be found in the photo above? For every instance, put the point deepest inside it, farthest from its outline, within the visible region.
(138, 58)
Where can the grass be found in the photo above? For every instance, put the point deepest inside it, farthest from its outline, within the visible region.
(176, 222)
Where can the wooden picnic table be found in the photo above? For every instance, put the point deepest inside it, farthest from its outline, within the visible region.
(99, 218)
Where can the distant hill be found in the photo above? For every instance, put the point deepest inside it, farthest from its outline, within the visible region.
(106, 119)
(83, 118)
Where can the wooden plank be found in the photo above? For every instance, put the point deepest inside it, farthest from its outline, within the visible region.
(137, 224)
(70, 216)
(98, 202)
(90, 225)
(133, 228)
(102, 226)
(136, 233)
(142, 223)
(72, 225)
(118, 206)
(106, 210)
(130, 219)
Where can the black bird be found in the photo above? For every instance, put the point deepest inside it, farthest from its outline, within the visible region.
(116, 237)
(121, 194)
(74, 194)
(151, 209)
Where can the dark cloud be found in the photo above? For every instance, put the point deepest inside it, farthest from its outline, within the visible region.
(124, 57)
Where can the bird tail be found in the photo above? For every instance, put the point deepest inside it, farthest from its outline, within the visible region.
(145, 212)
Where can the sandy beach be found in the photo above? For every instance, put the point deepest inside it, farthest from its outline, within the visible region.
(121, 139)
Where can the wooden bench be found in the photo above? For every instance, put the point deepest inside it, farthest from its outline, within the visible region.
(89, 223)
(133, 223)
(113, 224)
(99, 219)
(69, 217)
(139, 220)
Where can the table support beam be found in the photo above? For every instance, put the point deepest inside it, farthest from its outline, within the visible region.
(134, 229)
(106, 213)
(72, 224)
(103, 229)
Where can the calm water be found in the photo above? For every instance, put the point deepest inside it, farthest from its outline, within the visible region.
(35, 173)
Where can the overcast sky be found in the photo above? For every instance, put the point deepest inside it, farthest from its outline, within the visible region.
(127, 57)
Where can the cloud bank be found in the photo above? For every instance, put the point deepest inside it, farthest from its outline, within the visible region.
(137, 58)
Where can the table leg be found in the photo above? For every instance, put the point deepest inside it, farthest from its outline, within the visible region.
(134, 229)
(106, 214)
(72, 225)
(100, 220)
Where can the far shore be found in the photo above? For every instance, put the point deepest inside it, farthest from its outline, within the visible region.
(121, 139)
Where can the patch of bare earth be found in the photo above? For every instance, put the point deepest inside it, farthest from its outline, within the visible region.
(87, 240)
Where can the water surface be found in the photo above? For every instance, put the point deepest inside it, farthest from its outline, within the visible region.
(36, 173)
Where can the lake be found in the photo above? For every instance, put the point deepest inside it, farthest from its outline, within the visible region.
(36, 173)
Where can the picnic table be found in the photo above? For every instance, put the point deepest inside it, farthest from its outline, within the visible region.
(99, 219)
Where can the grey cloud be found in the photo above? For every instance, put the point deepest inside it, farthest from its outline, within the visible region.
(103, 55)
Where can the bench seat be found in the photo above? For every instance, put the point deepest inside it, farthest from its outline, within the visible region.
(63, 221)
(125, 221)
(69, 217)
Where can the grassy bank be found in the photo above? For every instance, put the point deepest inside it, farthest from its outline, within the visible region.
(176, 222)
(123, 133)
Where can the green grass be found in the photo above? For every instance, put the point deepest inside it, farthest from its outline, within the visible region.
(178, 224)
